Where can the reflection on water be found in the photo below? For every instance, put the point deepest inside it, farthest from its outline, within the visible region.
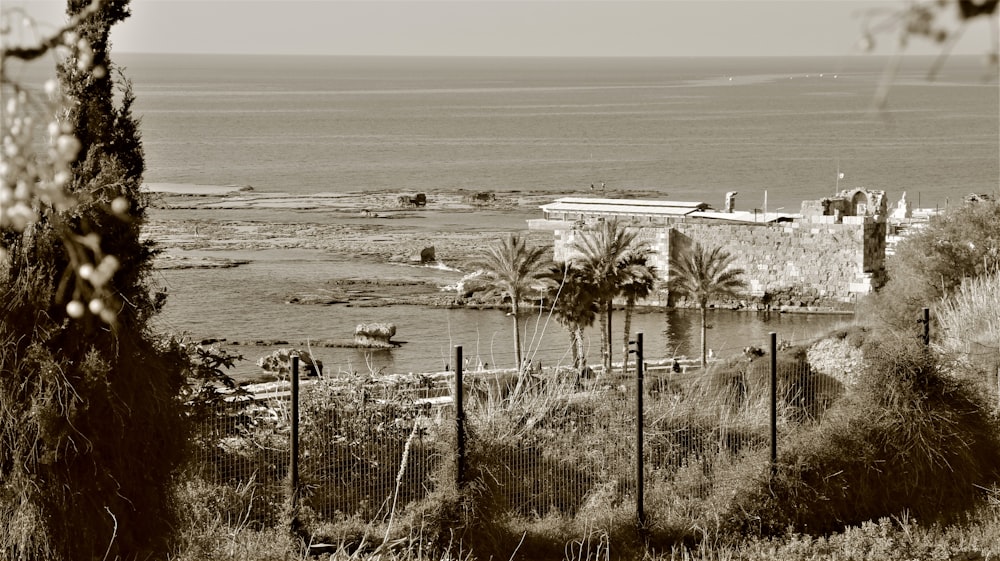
(678, 333)
(248, 303)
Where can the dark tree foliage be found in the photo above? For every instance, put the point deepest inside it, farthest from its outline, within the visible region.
(574, 305)
(91, 431)
(962, 243)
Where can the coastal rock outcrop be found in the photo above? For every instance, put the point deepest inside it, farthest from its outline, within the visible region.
(423, 255)
(480, 198)
(420, 199)
(375, 335)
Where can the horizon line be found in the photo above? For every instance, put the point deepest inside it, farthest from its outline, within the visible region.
(550, 56)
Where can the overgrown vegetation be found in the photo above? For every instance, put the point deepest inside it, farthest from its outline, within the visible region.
(901, 538)
(969, 332)
(962, 243)
(909, 438)
(91, 430)
(550, 474)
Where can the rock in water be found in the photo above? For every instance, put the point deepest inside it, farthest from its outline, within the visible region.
(374, 334)
(418, 200)
(425, 255)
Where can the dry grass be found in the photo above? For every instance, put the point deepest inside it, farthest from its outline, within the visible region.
(969, 332)
(551, 475)
(898, 538)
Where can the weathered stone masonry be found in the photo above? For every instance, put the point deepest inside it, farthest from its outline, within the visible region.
(825, 257)
(797, 263)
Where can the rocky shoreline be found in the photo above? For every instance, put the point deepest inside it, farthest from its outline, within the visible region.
(207, 227)
(221, 230)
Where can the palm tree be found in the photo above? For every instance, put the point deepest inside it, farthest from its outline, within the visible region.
(701, 274)
(574, 305)
(513, 269)
(600, 253)
(637, 279)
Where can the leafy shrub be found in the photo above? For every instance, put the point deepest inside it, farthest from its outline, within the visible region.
(218, 522)
(745, 386)
(969, 321)
(211, 512)
(258, 460)
(933, 262)
(910, 438)
(353, 436)
(455, 519)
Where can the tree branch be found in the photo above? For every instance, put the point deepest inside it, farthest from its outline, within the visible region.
(28, 53)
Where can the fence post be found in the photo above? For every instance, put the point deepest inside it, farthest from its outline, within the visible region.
(294, 459)
(459, 420)
(640, 510)
(774, 400)
(927, 326)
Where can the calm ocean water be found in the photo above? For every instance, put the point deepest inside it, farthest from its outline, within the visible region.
(690, 129)
(248, 303)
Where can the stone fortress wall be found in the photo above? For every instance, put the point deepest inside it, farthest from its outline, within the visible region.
(823, 258)
(799, 263)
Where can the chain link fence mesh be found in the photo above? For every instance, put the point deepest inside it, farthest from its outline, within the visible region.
(560, 443)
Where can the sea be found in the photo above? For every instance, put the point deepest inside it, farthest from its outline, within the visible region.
(688, 128)
(775, 130)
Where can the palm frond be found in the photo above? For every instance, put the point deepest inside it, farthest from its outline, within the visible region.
(512, 266)
(703, 274)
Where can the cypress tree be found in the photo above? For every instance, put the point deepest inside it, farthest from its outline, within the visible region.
(91, 430)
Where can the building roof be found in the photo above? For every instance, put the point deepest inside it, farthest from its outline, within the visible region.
(743, 216)
(633, 202)
(639, 207)
(623, 206)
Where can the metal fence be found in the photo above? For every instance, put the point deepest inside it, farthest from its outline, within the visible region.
(243, 446)
(363, 447)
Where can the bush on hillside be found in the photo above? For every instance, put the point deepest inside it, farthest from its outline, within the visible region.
(934, 261)
(855, 335)
(456, 519)
(908, 439)
(745, 385)
(353, 436)
(969, 330)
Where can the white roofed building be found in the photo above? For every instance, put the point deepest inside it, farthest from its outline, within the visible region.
(824, 257)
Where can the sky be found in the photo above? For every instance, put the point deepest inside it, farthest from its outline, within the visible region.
(508, 27)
